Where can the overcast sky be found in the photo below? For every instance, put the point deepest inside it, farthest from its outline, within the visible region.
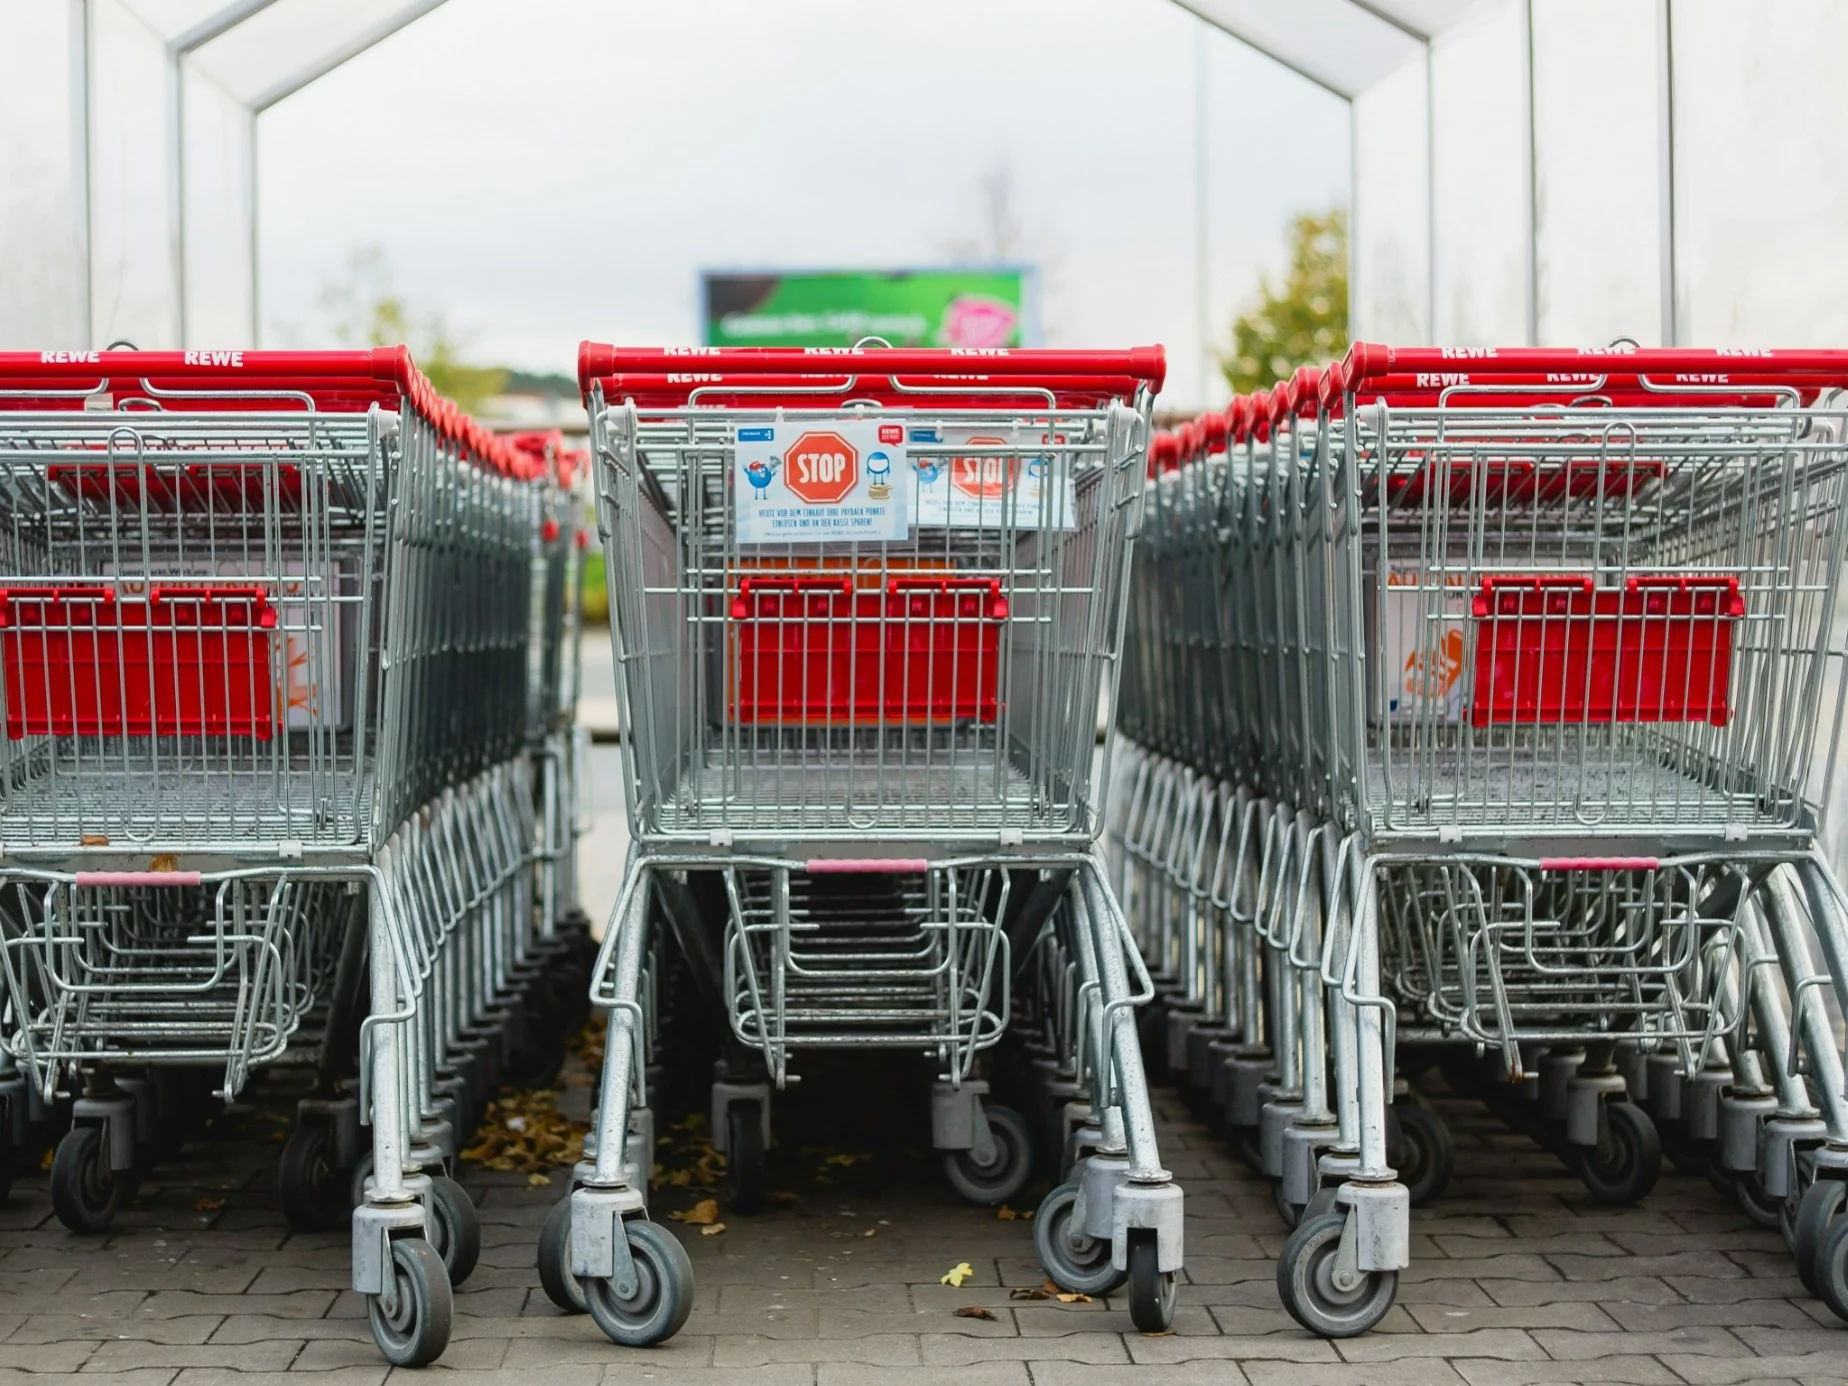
(543, 170)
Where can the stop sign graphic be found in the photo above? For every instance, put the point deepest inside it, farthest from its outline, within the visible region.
(821, 468)
(987, 478)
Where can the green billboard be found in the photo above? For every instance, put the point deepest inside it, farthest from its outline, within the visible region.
(991, 306)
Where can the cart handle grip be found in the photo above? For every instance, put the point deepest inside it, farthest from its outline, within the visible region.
(795, 582)
(596, 359)
(997, 604)
(1599, 863)
(883, 866)
(1539, 582)
(89, 880)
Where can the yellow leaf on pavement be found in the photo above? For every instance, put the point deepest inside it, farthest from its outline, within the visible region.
(712, 1229)
(958, 1273)
(701, 1214)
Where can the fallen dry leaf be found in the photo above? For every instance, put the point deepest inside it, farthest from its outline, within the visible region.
(975, 1311)
(166, 861)
(1024, 1293)
(1071, 1298)
(870, 1232)
(844, 1161)
(1005, 1213)
(537, 1180)
(958, 1273)
(1049, 1287)
(94, 840)
(1160, 1333)
(712, 1229)
(702, 1214)
(780, 1196)
(207, 1205)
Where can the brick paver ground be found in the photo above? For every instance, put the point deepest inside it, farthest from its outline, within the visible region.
(1517, 1280)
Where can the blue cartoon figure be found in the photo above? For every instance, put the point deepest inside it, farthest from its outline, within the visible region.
(878, 476)
(929, 468)
(1037, 467)
(760, 472)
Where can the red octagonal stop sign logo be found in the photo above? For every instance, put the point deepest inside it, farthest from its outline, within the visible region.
(821, 468)
(986, 478)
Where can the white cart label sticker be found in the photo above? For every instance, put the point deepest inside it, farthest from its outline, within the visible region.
(804, 482)
(1012, 485)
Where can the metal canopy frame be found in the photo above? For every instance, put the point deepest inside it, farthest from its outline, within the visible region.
(1341, 46)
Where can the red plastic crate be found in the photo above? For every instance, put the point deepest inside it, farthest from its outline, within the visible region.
(1558, 649)
(818, 650)
(183, 661)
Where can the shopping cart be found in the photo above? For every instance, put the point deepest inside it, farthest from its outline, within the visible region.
(864, 606)
(264, 621)
(1535, 648)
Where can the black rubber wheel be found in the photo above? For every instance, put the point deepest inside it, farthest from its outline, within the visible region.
(746, 1159)
(1760, 1207)
(1306, 1284)
(1081, 1265)
(85, 1193)
(555, 1277)
(1151, 1290)
(1627, 1160)
(663, 1292)
(1820, 1209)
(316, 1194)
(416, 1331)
(455, 1228)
(1831, 1268)
(1007, 1174)
(1424, 1154)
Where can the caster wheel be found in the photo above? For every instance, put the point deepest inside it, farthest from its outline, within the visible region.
(745, 1157)
(455, 1228)
(1151, 1291)
(1424, 1155)
(1007, 1174)
(1820, 1209)
(1760, 1207)
(1627, 1160)
(561, 1287)
(1831, 1268)
(1291, 1213)
(1683, 1154)
(1081, 1265)
(415, 1330)
(1306, 1282)
(85, 1193)
(316, 1195)
(663, 1294)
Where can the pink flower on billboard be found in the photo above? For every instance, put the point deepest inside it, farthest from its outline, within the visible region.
(976, 320)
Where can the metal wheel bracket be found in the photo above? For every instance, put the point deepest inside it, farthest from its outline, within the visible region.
(116, 1115)
(1098, 1180)
(1276, 1118)
(1741, 1118)
(723, 1095)
(1779, 1139)
(1243, 1077)
(1157, 1206)
(1585, 1098)
(1700, 1105)
(1381, 1222)
(957, 1121)
(1347, 1273)
(599, 1247)
(1301, 1144)
(341, 1117)
(374, 1226)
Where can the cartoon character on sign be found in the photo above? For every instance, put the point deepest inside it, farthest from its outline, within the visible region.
(760, 473)
(929, 469)
(878, 476)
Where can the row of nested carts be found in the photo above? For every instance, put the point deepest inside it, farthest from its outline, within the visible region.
(290, 780)
(1479, 710)
(1480, 714)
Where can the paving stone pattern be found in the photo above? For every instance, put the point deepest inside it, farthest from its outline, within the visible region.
(1517, 1280)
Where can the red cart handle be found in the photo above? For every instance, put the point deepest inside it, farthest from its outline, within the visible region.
(997, 604)
(597, 359)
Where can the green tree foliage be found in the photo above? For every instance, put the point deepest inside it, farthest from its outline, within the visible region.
(1303, 321)
(368, 311)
